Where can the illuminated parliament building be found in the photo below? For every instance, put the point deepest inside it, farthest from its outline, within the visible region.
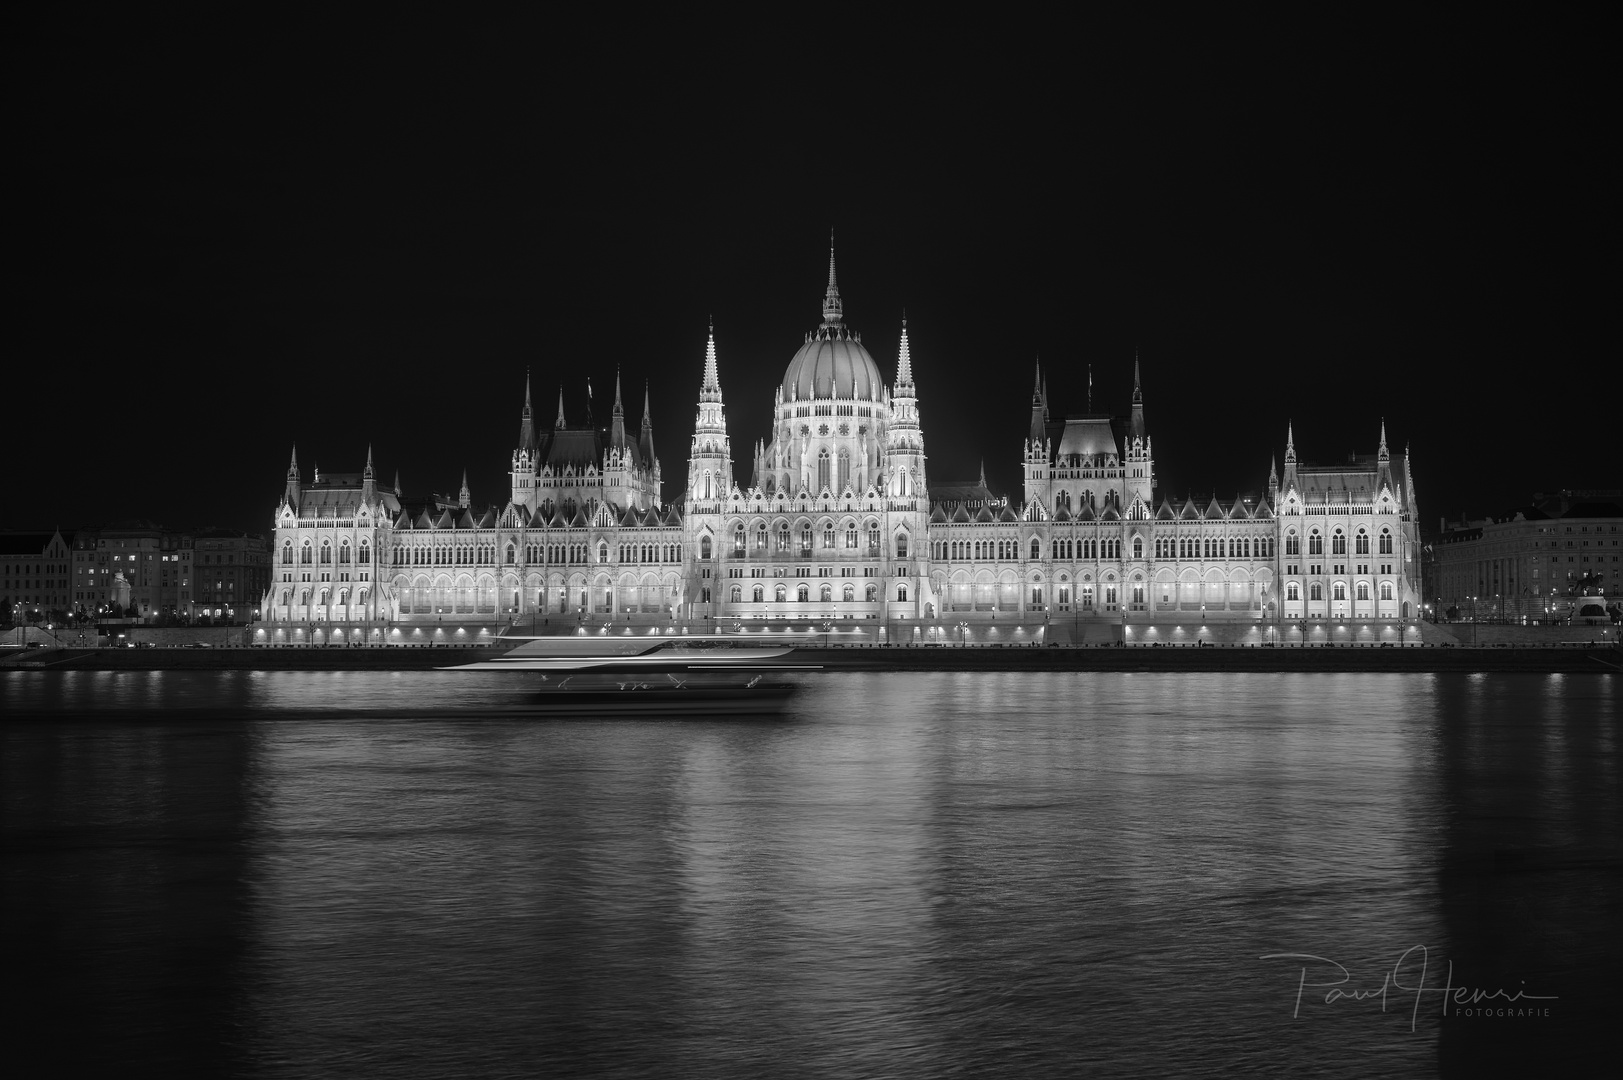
(834, 524)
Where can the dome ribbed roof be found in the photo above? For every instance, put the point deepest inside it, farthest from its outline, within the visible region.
(832, 364)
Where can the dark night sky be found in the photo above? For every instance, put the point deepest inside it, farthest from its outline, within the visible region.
(228, 238)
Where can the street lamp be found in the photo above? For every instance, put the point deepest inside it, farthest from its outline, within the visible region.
(963, 634)
(827, 626)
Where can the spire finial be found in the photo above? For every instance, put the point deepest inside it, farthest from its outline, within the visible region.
(1090, 386)
(368, 461)
(1138, 394)
(560, 422)
(1383, 451)
(1290, 442)
(833, 309)
(618, 409)
(526, 389)
(293, 466)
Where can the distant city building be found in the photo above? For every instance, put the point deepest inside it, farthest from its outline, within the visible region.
(34, 575)
(230, 573)
(1555, 559)
(837, 520)
(141, 568)
(148, 571)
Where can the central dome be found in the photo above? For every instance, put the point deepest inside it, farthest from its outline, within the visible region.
(832, 364)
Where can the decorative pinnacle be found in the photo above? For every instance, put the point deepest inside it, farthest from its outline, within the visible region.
(1290, 443)
(833, 309)
(1383, 452)
(368, 461)
(1138, 394)
(560, 422)
(618, 409)
(293, 466)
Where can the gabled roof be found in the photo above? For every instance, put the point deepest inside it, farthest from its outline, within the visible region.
(1008, 514)
(1165, 512)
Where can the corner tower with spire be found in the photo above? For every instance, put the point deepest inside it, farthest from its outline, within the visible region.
(710, 459)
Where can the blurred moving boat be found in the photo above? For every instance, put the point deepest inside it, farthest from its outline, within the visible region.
(690, 676)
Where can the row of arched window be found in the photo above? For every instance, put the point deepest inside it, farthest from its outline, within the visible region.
(1338, 542)
(323, 597)
(825, 594)
(1338, 590)
(308, 553)
(1214, 547)
(783, 538)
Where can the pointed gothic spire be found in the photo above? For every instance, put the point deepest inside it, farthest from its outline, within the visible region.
(560, 421)
(904, 359)
(368, 474)
(1290, 443)
(646, 422)
(397, 483)
(833, 309)
(1090, 386)
(293, 466)
(619, 410)
(526, 425)
(1383, 454)
(1037, 382)
(463, 496)
(1138, 394)
(710, 389)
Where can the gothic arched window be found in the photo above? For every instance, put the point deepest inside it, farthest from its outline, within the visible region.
(823, 478)
(704, 547)
(1036, 548)
(803, 594)
(901, 545)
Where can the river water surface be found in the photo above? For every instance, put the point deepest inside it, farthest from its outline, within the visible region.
(908, 875)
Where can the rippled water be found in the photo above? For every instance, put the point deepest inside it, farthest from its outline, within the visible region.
(910, 875)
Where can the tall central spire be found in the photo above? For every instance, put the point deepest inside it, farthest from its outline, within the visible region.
(833, 309)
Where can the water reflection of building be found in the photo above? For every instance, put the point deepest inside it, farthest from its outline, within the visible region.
(835, 524)
(1555, 559)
